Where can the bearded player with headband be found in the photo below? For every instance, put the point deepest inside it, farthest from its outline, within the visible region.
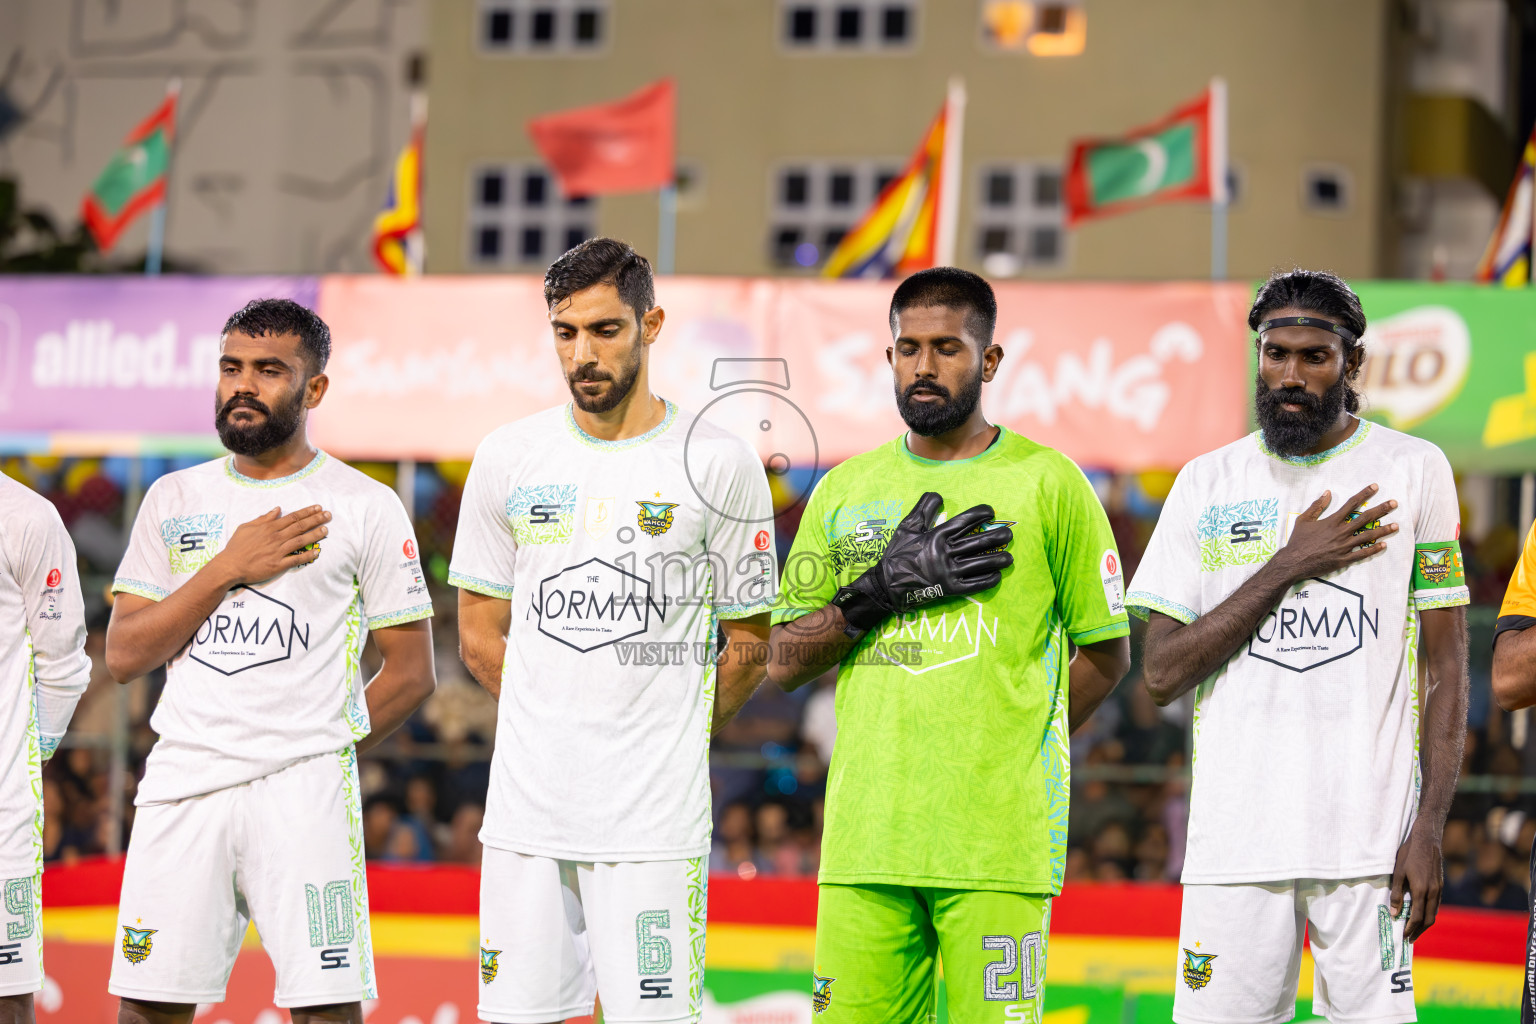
(1291, 580)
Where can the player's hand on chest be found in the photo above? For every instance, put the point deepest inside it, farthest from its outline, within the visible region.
(269, 542)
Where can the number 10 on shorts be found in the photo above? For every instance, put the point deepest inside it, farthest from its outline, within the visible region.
(330, 921)
(1024, 956)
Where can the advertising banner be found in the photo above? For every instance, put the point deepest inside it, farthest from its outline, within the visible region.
(1456, 365)
(424, 368)
(1117, 376)
(118, 365)
(1113, 954)
(1122, 376)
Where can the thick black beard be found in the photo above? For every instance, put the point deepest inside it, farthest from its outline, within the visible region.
(275, 429)
(1297, 433)
(930, 419)
(623, 384)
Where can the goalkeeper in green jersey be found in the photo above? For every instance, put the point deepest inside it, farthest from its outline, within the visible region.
(945, 573)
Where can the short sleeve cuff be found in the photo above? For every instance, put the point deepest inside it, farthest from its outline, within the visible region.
(139, 588)
(479, 586)
(48, 745)
(400, 618)
(782, 615)
(1512, 623)
(1425, 600)
(743, 611)
(1140, 604)
(1108, 631)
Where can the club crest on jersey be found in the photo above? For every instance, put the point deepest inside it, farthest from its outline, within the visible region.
(191, 541)
(1197, 968)
(137, 943)
(655, 517)
(1435, 564)
(821, 992)
(488, 965)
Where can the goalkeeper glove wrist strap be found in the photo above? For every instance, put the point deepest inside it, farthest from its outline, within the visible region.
(860, 611)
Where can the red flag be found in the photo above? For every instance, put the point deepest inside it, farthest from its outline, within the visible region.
(625, 146)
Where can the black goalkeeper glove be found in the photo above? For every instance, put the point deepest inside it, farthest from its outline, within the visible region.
(923, 564)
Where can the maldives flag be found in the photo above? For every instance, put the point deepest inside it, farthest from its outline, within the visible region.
(1183, 156)
(625, 146)
(134, 179)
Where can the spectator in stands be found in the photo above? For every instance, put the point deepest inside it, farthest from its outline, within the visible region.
(1461, 886)
(379, 819)
(464, 835)
(731, 851)
(1145, 735)
(421, 817)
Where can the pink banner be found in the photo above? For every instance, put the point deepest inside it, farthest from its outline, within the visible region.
(1125, 377)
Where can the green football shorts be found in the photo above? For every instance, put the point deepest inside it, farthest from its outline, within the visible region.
(878, 949)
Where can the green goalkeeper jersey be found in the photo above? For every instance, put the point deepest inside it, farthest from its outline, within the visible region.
(951, 766)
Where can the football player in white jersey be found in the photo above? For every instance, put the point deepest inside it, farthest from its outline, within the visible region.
(1325, 753)
(256, 579)
(599, 545)
(43, 672)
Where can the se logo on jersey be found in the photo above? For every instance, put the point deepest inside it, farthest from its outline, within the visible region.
(191, 541)
(488, 965)
(137, 943)
(1197, 968)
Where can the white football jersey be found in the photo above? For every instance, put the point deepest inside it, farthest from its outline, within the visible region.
(618, 558)
(272, 676)
(1306, 742)
(43, 665)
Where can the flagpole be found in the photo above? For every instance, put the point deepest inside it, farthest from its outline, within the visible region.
(1218, 172)
(666, 229)
(155, 251)
(950, 170)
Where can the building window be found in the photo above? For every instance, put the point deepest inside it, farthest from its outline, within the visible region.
(1019, 217)
(519, 217)
(1044, 28)
(837, 26)
(542, 26)
(815, 202)
(1325, 189)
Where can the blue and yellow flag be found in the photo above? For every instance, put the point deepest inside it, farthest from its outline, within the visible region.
(910, 226)
(401, 216)
(1507, 260)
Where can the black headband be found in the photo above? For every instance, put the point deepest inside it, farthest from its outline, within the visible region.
(1309, 321)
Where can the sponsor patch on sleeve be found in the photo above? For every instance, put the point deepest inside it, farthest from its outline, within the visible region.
(1438, 566)
(1113, 577)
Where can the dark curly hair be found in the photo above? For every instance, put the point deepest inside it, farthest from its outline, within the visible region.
(602, 261)
(262, 318)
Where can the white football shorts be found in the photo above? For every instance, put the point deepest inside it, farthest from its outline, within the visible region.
(556, 933)
(284, 851)
(1240, 953)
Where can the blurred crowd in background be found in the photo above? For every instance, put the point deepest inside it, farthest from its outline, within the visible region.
(424, 789)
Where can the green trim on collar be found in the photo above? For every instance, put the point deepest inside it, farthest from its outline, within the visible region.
(1362, 430)
(247, 481)
(990, 451)
(623, 443)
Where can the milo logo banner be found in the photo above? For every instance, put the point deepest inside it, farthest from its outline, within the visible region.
(1456, 365)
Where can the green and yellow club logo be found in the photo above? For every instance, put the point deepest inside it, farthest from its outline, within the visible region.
(1197, 968)
(488, 965)
(137, 943)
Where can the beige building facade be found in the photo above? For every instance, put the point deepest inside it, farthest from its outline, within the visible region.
(791, 113)
(291, 115)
